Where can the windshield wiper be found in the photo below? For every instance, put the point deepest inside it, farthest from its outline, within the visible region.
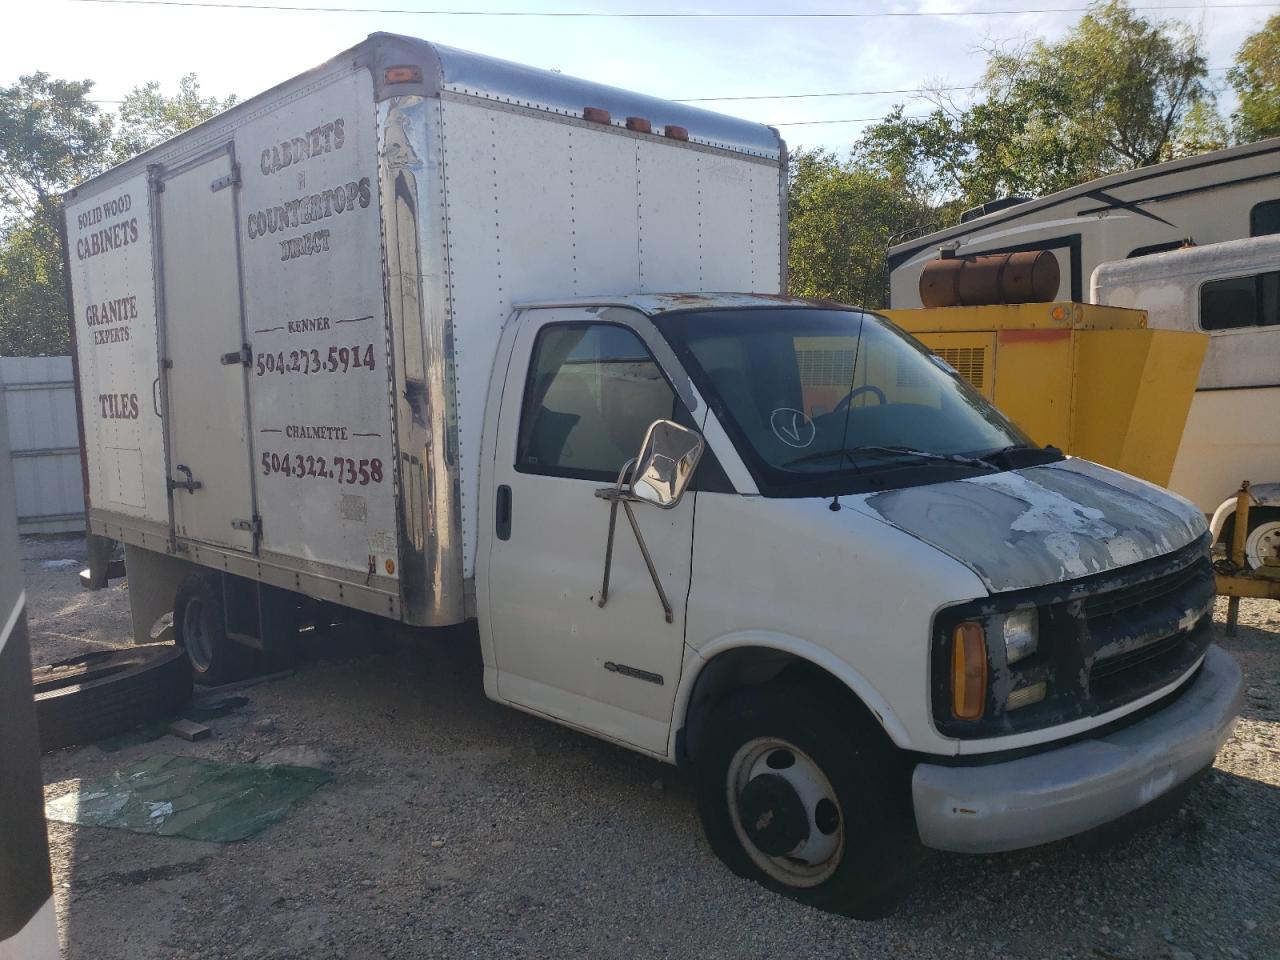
(902, 451)
(1003, 453)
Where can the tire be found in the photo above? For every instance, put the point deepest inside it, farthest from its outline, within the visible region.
(87, 698)
(799, 761)
(200, 629)
(1263, 538)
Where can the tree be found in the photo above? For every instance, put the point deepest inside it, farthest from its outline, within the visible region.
(1116, 93)
(51, 138)
(840, 220)
(148, 117)
(32, 304)
(1256, 80)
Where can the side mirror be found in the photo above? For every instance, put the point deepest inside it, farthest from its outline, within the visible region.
(668, 457)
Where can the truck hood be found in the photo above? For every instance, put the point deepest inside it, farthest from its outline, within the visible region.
(1043, 524)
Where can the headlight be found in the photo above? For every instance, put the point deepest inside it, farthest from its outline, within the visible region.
(1021, 633)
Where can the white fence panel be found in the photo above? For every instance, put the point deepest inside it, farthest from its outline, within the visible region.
(44, 443)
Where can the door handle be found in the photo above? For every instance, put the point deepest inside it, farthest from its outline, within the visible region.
(502, 512)
(191, 484)
(243, 356)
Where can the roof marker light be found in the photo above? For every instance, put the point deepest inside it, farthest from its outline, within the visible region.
(672, 132)
(403, 74)
(639, 124)
(596, 114)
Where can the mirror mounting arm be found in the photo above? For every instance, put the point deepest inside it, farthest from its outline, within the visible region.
(615, 495)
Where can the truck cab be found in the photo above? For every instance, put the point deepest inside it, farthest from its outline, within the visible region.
(865, 609)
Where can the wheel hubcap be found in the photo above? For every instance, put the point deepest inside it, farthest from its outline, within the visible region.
(1262, 544)
(785, 812)
(195, 635)
(773, 814)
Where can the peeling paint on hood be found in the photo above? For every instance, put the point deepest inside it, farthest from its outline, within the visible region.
(1043, 524)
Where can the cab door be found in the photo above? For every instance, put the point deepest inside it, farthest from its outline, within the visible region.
(579, 397)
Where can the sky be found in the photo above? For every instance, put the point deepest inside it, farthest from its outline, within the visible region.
(122, 45)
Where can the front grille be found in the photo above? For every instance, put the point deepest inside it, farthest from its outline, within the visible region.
(1132, 658)
(1105, 641)
(1169, 587)
(1146, 634)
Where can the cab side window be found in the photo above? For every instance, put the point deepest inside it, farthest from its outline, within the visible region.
(593, 389)
(1252, 301)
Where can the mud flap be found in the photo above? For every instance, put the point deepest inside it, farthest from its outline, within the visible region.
(101, 569)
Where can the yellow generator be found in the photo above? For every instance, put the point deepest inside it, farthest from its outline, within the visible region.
(1091, 380)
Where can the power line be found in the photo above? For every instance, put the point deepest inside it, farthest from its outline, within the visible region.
(646, 15)
(802, 96)
(845, 93)
(809, 123)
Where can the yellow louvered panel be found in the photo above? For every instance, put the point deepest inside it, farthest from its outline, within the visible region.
(824, 368)
(970, 363)
(972, 354)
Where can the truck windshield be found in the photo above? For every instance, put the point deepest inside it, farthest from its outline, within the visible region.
(824, 401)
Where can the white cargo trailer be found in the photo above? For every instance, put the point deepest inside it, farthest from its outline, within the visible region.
(285, 318)
(388, 338)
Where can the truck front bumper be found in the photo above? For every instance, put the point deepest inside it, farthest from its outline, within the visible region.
(1065, 791)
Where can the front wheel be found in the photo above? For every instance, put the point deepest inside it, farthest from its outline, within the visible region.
(797, 792)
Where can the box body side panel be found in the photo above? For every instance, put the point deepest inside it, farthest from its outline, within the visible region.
(540, 206)
(110, 251)
(315, 316)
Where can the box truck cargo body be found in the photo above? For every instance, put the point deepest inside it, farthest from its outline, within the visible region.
(436, 338)
(285, 318)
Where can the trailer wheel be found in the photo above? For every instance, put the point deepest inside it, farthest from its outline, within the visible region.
(87, 698)
(1262, 544)
(200, 629)
(796, 793)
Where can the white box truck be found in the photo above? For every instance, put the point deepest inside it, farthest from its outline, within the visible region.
(399, 338)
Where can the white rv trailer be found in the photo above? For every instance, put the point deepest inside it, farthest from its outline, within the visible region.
(1114, 239)
(1225, 195)
(392, 338)
(1230, 291)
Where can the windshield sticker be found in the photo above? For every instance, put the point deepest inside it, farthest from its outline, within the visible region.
(792, 427)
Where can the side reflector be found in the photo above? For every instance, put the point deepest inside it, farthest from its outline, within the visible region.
(595, 114)
(968, 672)
(408, 74)
(673, 132)
(639, 124)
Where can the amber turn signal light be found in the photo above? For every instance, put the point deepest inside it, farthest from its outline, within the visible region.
(968, 671)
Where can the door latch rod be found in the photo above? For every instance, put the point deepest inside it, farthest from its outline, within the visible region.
(191, 484)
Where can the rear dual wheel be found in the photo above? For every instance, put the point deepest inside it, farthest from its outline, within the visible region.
(798, 792)
(199, 626)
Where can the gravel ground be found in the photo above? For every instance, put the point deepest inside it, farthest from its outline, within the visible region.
(456, 827)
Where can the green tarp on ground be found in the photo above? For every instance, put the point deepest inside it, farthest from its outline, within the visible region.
(185, 797)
